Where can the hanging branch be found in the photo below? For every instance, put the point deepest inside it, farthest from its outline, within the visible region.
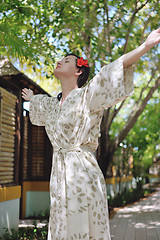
(108, 29)
(143, 89)
(144, 28)
(131, 24)
(113, 114)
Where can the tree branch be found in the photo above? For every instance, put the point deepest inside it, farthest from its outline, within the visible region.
(144, 28)
(134, 116)
(131, 24)
(113, 114)
(108, 29)
(142, 91)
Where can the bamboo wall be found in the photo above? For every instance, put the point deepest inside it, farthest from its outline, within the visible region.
(7, 135)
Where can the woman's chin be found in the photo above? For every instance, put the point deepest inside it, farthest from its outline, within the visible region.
(56, 73)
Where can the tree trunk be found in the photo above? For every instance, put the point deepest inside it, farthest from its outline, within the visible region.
(104, 159)
(105, 155)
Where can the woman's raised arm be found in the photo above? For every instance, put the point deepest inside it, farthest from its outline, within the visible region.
(152, 40)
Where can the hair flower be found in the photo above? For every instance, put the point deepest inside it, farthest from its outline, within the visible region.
(81, 62)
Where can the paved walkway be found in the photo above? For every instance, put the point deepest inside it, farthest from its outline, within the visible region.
(32, 223)
(140, 221)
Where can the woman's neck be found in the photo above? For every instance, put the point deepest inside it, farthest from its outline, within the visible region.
(66, 90)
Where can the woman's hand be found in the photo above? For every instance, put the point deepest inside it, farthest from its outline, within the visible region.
(27, 94)
(153, 39)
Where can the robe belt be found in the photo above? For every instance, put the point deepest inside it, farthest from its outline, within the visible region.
(74, 148)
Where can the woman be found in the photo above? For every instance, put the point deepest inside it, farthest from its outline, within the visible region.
(72, 121)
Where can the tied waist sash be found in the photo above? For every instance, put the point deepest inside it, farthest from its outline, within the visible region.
(78, 148)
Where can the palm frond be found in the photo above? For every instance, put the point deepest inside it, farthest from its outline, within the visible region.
(12, 44)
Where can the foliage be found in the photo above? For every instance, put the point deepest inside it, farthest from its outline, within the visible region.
(129, 196)
(42, 30)
(28, 233)
(41, 215)
(23, 28)
(142, 142)
(146, 135)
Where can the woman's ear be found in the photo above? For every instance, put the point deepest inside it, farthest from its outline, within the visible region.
(78, 72)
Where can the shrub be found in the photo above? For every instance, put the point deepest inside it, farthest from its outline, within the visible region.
(129, 196)
(27, 233)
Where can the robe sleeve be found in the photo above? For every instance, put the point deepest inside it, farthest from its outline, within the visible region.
(111, 85)
(39, 105)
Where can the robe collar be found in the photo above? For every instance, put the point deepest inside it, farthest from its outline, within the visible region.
(59, 96)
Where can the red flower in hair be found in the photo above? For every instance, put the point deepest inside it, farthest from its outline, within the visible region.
(81, 62)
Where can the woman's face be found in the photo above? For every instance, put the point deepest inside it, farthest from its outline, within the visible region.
(66, 68)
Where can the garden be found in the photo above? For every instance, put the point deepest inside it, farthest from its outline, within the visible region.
(34, 35)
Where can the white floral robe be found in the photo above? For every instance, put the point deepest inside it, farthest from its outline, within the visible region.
(78, 208)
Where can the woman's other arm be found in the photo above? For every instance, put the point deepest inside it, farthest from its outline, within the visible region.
(27, 94)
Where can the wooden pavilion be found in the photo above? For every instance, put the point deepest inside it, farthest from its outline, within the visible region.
(25, 150)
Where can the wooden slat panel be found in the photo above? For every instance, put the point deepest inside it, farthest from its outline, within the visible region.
(8, 121)
(38, 152)
(10, 133)
(7, 142)
(8, 116)
(8, 136)
(7, 149)
(6, 154)
(4, 174)
(8, 107)
(6, 164)
(7, 113)
(6, 169)
(9, 96)
(9, 102)
(6, 181)
(10, 128)
(7, 159)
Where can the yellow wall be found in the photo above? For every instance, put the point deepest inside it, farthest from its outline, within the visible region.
(115, 180)
(10, 193)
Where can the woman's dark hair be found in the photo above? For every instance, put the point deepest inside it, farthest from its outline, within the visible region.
(82, 79)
